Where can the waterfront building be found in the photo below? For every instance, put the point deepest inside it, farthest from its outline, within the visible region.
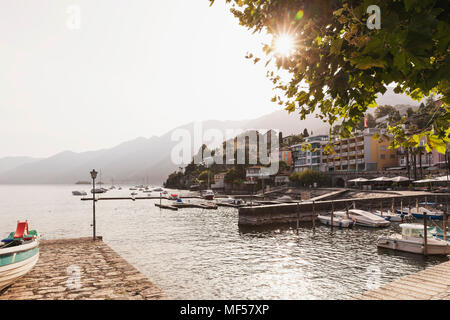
(309, 159)
(286, 155)
(219, 181)
(361, 152)
(423, 159)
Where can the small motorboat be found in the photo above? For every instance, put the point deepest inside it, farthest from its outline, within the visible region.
(98, 190)
(158, 189)
(412, 240)
(389, 216)
(173, 196)
(134, 193)
(285, 199)
(363, 218)
(79, 193)
(439, 233)
(19, 252)
(418, 212)
(339, 221)
(208, 195)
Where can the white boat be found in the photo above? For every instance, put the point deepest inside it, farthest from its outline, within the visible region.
(285, 198)
(412, 240)
(363, 218)
(340, 221)
(208, 195)
(18, 254)
(158, 189)
(389, 216)
(79, 193)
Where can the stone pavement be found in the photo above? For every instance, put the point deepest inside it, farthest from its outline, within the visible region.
(81, 269)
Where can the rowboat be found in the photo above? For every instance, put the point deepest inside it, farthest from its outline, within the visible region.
(19, 252)
(340, 221)
(363, 218)
(412, 240)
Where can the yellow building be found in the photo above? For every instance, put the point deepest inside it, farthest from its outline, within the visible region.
(360, 153)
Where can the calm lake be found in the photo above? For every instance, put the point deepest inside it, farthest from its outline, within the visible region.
(203, 254)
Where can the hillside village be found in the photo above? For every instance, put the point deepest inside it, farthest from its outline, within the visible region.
(310, 160)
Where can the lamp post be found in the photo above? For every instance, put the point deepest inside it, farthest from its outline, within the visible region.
(93, 176)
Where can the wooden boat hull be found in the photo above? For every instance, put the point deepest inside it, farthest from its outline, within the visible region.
(413, 246)
(14, 264)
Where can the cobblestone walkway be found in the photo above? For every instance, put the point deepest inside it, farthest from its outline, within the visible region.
(82, 269)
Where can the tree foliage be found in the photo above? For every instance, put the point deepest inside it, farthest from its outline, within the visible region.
(307, 177)
(339, 66)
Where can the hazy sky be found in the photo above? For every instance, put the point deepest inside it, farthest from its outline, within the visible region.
(123, 69)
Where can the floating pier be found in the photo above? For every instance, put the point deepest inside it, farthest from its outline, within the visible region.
(81, 269)
(307, 210)
(430, 284)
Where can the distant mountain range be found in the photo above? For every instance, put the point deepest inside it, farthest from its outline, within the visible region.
(145, 159)
(136, 161)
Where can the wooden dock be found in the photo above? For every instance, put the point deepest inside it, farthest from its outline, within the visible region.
(305, 210)
(430, 284)
(165, 206)
(81, 268)
(136, 198)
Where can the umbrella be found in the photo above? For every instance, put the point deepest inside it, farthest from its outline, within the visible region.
(443, 178)
(358, 180)
(381, 179)
(426, 181)
(399, 179)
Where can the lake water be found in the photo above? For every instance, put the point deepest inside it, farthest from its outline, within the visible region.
(203, 254)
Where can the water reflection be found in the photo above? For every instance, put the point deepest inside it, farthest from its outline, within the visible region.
(203, 254)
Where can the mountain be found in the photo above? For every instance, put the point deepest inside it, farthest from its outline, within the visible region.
(141, 159)
(10, 163)
(150, 159)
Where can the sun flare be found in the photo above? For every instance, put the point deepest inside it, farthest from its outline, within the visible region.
(284, 45)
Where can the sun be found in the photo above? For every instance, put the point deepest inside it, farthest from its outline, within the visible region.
(284, 44)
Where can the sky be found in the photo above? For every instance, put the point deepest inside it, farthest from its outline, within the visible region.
(85, 75)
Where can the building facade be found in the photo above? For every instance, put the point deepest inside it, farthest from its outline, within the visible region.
(309, 159)
(361, 153)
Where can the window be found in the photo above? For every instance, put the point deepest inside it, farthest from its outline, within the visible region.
(383, 156)
(383, 148)
(392, 156)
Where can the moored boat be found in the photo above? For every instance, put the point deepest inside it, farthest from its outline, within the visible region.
(79, 193)
(363, 218)
(340, 221)
(418, 212)
(208, 195)
(19, 252)
(389, 216)
(412, 240)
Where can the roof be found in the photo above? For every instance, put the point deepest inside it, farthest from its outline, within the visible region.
(411, 226)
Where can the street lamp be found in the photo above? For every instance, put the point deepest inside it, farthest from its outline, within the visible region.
(93, 176)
